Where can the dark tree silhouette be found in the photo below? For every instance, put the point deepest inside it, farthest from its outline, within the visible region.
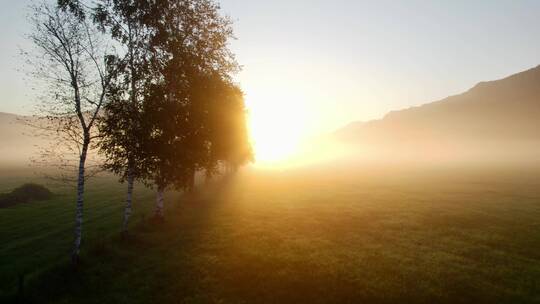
(228, 134)
(191, 41)
(122, 126)
(225, 127)
(174, 108)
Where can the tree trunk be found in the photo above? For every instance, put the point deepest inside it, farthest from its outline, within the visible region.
(128, 208)
(158, 212)
(207, 176)
(80, 205)
(191, 181)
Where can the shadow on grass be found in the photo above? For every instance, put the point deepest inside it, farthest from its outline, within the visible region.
(113, 268)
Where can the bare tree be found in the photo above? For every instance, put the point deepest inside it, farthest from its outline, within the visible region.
(70, 60)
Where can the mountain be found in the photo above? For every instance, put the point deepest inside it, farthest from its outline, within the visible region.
(496, 119)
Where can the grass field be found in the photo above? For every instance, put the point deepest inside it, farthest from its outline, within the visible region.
(38, 236)
(318, 236)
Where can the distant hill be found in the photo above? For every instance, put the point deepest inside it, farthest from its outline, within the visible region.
(493, 119)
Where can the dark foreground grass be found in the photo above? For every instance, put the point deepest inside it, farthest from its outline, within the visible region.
(38, 236)
(390, 236)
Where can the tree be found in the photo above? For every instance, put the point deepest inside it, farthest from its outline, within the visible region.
(157, 124)
(228, 135)
(121, 127)
(122, 147)
(168, 150)
(191, 40)
(72, 61)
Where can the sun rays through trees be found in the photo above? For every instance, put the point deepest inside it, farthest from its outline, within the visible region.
(156, 97)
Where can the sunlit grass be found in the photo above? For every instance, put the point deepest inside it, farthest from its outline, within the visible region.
(371, 234)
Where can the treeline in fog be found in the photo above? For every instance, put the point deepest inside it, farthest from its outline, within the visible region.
(146, 84)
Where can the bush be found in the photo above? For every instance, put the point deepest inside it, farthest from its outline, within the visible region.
(24, 194)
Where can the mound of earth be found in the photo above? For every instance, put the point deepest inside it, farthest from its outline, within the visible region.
(25, 194)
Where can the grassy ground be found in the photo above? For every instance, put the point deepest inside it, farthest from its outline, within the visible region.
(37, 236)
(373, 236)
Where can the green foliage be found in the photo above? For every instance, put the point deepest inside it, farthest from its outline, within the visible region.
(174, 109)
(195, 67)
(122, 127)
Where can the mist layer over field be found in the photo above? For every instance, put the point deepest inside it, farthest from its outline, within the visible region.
(317, 234)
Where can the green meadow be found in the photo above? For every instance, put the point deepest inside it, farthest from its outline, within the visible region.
(362, 235)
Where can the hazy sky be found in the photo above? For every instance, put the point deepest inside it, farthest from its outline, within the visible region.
(337, 61)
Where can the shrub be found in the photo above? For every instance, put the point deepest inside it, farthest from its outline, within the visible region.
(24, 194)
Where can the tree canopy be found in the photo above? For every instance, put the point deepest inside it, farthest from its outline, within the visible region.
(173, 109)
(156, 78)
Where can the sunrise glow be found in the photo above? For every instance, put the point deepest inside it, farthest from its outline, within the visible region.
(277, 127)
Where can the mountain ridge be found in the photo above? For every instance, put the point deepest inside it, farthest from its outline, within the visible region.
(492, 114)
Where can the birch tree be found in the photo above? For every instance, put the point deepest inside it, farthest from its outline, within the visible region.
(191, 39)
(69, 59)
(122, 126)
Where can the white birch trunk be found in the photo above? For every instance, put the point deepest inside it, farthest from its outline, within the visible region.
(129, 199)
(159, 204)
(79, 206)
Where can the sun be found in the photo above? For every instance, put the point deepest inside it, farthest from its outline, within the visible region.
(277, 127)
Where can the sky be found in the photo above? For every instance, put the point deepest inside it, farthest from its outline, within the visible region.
(312, 66)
